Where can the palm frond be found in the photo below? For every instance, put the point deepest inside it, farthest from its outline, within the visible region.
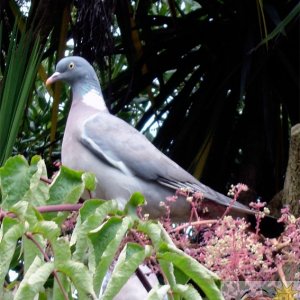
(21, 64)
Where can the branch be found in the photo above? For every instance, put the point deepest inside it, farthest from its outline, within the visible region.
(44, 179)
(59, 207)
(46, 209)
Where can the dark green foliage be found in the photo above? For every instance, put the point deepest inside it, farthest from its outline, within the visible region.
(21, 63)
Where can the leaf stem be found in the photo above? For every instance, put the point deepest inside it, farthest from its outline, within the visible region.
(30, 236)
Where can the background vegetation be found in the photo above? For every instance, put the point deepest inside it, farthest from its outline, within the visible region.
(214, 84)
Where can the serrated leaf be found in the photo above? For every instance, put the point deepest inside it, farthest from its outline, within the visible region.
(155, 232)
(32, 216)
(158, 293)
(43, 231)
(57, 292)
(11, 231)
(20, 209)
(90, 206)
(31, 251)
(15, 177)
(48, 229)
(91, 216)
(61, 250)
(207, 281)
(130, 258)
(67, 187)
(26, 212)
(136, 200)
(62, 253)
(89, 181)
(34, 279)
(101, 237)
(106, 242)
(81, 278)
(38, 192)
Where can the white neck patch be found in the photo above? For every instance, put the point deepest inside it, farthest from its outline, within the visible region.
(95, 100)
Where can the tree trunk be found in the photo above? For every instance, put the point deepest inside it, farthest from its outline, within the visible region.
(291, 190)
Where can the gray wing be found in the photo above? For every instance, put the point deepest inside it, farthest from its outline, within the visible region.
(123, 147)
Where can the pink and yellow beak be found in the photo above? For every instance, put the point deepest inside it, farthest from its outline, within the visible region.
(52, 78)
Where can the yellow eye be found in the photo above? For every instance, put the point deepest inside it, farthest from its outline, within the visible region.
(71, 65)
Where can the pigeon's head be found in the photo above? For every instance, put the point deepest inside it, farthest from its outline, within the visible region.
(73, 70)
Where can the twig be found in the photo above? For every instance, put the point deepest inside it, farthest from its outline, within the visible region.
(29, 235)
(281, 275)
(196, 223)
(44, 179)
(145, 282)
(283, 245)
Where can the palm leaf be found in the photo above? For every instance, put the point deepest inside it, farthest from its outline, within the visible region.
(21, 64)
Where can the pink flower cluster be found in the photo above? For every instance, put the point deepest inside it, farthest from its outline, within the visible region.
(228, 247)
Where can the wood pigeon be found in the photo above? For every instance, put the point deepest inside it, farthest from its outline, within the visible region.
(122, 158)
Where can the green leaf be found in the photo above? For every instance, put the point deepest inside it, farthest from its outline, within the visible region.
(19, 181)
(38, 193)
(91, 216)
(26, 212)
(207, 281)
(89, 180)
(21, 64)
(181, 277)
(156, 233)
(11, 231)
(32, 215)
(69, 185)
(130, 258)
(102, 236)
(34, 279)
(42, 231)
(81, 278)
(48, 229)
(168, 269)
(91, 206)
(61, 250)
(62, 253)
(57, 292)
(158, 293)
(136, 200)
(20, 209)
(31, 251)
(187, 292)
(106, 241)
